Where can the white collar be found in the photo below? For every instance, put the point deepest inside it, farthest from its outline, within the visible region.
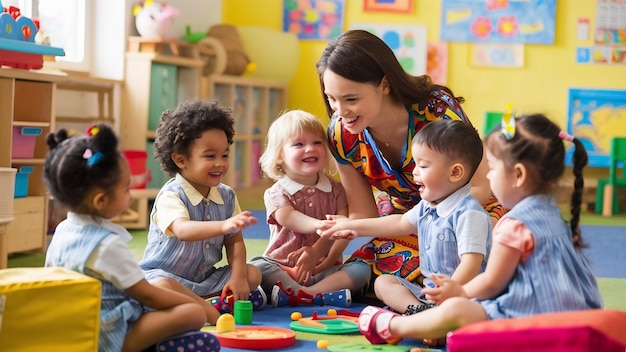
(196, 197)
(291, 186)
(447, 205)
(87, 220)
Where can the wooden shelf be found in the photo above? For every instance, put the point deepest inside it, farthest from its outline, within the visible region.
(153, 83)
(156, 82)
(255, 102)
(28, 99)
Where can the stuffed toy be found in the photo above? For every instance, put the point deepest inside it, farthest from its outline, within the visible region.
(153, 19)
(223, 50)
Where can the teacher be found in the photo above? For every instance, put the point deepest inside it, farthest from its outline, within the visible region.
(375, 109)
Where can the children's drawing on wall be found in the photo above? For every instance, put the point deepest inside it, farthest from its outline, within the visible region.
(497, 55)
(313, 19)
(408, 42)
(610, 32)
(498, 21)
(398, 6)
(437, 62)
(596, 116)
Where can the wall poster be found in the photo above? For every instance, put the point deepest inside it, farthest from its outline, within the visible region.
(610, 32)
(498, 21)
(408, 42)
(313, 19)
(595, 116)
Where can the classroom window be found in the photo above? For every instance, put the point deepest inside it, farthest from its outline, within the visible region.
(64, 22)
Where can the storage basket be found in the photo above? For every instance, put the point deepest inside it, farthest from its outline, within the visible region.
(7, 187)
(24, 140)
(21, 181)
(139, 175)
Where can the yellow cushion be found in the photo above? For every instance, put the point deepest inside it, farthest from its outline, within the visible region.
(49, 309)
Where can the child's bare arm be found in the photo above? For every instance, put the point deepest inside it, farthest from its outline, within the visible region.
(236, 257)
(394, 225)
(468, 268)
(295, 220)
(335, 254)
(336, 250)
(503, 261)
(191, 230)
(156, 297)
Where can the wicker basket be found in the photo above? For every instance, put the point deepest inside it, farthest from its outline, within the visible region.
(7, 189)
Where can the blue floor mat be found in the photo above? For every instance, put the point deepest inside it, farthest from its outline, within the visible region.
(281, 317)
(606, 245)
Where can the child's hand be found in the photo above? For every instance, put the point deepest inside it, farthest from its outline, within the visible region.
(238, 288)
(305, 266)
(335, 227)
(446, 288)
(238, 222)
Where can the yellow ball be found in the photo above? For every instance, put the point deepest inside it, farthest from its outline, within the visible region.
(332, 312)
(322, 344)
(296, 316)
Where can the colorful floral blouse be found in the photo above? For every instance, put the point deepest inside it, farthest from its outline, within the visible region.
(360, 149)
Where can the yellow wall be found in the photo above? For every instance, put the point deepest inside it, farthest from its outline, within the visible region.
(540, 86)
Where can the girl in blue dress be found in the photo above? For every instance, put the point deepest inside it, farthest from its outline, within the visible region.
(536, 264)
(89, 176)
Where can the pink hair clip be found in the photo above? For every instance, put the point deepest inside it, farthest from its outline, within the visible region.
(568, 137)
(91, 157)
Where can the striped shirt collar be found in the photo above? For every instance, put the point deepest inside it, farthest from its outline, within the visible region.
(446, 207)
(196, 197)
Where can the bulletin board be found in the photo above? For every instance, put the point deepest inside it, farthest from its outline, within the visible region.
(313, 19)
(408, 43)
(595, 116)
(498, 21)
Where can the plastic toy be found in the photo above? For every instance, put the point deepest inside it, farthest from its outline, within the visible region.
(350, 347)
(153, 20)
(193, 37)
(224, 304)
(225, 323)
(322, 344)
(17, 41)
(243, 312)
(257, 337)
(344, 322)
(296, 316)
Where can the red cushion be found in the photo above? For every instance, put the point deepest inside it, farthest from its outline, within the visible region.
(585, 330)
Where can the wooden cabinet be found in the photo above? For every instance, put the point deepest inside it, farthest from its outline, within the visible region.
(255, 102)
(27, 100)
(153, 83)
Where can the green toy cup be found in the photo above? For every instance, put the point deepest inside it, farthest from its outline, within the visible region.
(243, 312)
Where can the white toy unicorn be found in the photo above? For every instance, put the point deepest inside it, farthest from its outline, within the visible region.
(153, 19)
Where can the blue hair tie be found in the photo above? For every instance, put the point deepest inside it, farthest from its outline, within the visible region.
(92, 158)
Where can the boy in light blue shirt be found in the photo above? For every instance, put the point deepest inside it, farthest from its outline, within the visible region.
(454, 230)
